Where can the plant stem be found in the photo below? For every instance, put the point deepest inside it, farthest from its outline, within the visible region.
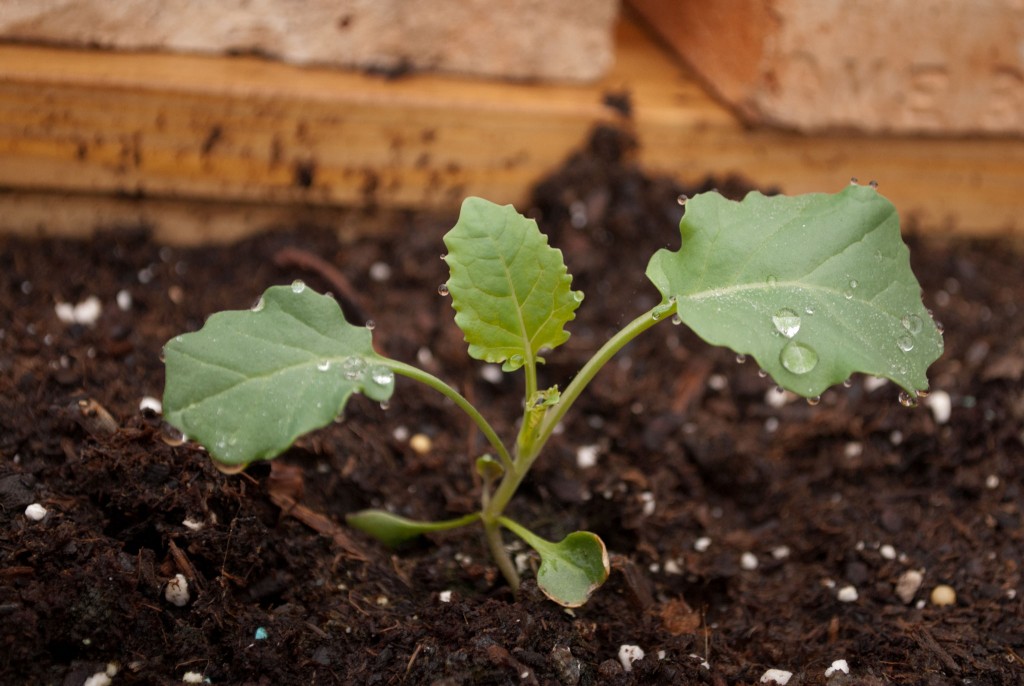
(492, 533)
(529, 448)
(460, 401)
(605, 353)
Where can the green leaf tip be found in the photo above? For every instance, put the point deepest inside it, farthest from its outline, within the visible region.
(250, 382)
(570, 570)
(393, 530)
(510, 290)
(814, 287)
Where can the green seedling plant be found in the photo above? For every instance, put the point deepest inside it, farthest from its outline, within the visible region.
(815, 288)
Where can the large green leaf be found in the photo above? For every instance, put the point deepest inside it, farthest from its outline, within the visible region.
(510, 289)
(252, 381)
(814, 287)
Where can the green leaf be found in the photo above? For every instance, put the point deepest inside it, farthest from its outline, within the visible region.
(571, 569)
(392, 530)
(510, 290)
(814, 287)
(252, 381)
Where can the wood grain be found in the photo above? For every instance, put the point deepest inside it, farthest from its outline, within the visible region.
(208, 148)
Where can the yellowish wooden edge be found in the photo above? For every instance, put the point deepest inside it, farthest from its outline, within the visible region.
(209, 148)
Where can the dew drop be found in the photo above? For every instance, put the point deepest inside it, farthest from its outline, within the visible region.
(677, 320)
(444, 256)
(172, 436)
(762, 373)
(298, 285)
(848, 383)
(682, 198)
(384, 405)
(922, 394)
(577, 296)
(382, 376)
(787, 322)
(442, 289)
(258, 307)
(516, 361)
(905, 343)
(323, 365)
(853, 181)
(771, 280)
(873, 184)
(798, 358)
(814, 400)
(940, 327)
(808, 310)
(907, 400)
(353, 368)
(853, 284)
(741, 358)
(912, 323)
(370, 324)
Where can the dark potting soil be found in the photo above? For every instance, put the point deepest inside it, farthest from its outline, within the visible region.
(748, 530)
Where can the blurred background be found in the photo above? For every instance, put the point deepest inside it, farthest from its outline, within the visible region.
(208, 121)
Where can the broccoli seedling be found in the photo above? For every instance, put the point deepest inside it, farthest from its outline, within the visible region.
(815, 288)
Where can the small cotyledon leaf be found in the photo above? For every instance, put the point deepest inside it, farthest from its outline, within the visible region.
(571, 569)
(250, 382)
(511, 291)
(815, 287)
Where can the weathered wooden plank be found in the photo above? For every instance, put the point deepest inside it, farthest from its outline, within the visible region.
(257, 140)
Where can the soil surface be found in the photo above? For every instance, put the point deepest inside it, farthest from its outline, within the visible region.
(748, 530)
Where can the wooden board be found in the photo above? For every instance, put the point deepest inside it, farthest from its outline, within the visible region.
(208, 148)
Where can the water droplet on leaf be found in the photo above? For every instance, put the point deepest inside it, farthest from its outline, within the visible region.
(905, 343)
(772, 280)
(442, 289)
(912, 323)
(787, 322)
(260, 304)
(370, 324)
(798, 358)
(848, 383)
(682, 198)
(814, 400)
(873, 184)
(907, 400)
(741, 358)
(677, 320)
(352, 368)
(298, 285)
(577, 296)
(382, 376)
(853, 181)
(323, 365)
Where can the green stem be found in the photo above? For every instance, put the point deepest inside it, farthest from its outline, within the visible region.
(492, 533)
(529, 449)
(460, 401)
(594, 365)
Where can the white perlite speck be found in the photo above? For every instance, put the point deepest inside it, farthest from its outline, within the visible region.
(176, 591)
(586, 456)
(628, 654)
(847, 594)
(151, 404)
(85, 313)
(887, 552)
(35, 512)
(491, 373)
(748, 561)
(838, 666)
(908, 584)
(445, 596)
(192, 678)
(779, 676)
(702, 544)
(941, 406)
